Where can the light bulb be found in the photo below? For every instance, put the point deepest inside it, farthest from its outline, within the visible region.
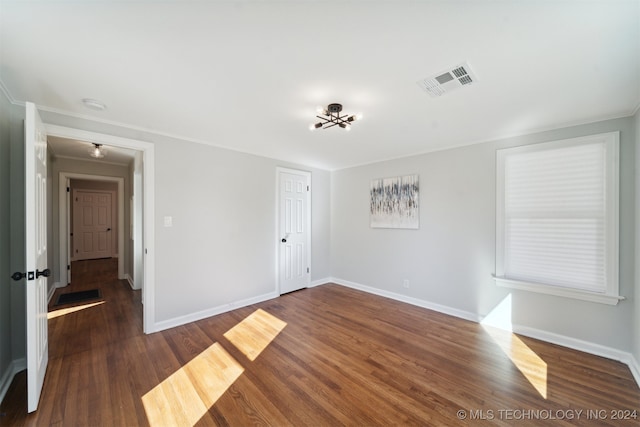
(97, 151)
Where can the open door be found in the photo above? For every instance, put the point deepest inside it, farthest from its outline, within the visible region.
(36, 254)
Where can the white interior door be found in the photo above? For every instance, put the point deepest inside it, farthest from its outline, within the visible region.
(294, 229)
(92, 226)
(36, 256)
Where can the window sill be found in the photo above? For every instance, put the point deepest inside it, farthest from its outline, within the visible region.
(558, 291)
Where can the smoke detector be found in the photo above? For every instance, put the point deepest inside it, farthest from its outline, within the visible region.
(446, 81)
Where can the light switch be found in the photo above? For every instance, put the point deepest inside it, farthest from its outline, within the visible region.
(168, 221)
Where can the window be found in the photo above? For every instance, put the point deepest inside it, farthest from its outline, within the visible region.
(557, 218)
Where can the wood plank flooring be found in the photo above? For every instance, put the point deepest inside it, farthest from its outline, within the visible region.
(324, 356)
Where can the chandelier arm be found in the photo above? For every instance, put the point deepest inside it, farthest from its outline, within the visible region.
(331, 125)
(342, 119)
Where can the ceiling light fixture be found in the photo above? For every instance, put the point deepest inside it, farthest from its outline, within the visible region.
(97, 151)
(331, 116)
(94, 104)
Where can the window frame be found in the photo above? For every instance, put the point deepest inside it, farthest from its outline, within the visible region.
(610, 294)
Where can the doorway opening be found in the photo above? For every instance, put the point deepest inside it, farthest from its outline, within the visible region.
(93, 220)
(141, 213)
(67, 239)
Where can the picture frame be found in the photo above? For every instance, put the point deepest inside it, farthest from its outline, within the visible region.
(395, 202)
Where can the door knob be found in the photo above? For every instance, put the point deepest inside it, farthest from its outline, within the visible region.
(46, 273)
(18, 276)
(108, 229)
(284, 240)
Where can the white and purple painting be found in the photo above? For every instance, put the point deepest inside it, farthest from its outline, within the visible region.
(395, 202)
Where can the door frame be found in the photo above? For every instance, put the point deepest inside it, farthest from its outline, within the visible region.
(65, 223)
(278, 236)
(148, 207)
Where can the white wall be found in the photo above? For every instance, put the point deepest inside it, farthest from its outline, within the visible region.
(450, 259)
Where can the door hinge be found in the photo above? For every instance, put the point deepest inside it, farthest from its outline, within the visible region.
(307, 188)
(68, 267)
(68, 190)
(307, 269)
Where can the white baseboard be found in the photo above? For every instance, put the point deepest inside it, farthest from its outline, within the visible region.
(634, 366)
(574, 343)
(467, 315)
(194, 317)
(550, 337)
(56, 285)
(7, 377)
(130, 280)
(584, 346)
(319, 282)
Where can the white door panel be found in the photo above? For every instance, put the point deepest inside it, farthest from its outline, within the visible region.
(36, 254)
(294, 226)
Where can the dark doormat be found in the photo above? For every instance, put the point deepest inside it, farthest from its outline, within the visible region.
(80, 296)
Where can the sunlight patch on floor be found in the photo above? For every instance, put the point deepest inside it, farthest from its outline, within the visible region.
(65, 311)
(184, 397)
(499, 326)
(255, 332)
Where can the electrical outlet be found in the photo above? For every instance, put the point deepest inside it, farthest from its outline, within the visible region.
(405, 283)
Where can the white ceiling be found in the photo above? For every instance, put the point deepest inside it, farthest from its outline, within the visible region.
(248, 75)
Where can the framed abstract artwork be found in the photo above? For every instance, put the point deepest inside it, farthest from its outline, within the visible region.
(395, 202)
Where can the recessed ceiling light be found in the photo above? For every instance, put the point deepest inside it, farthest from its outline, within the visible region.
(94, 104)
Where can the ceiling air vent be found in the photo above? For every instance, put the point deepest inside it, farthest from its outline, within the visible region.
(449, 80)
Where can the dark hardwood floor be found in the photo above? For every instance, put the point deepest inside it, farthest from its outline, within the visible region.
(323, 356)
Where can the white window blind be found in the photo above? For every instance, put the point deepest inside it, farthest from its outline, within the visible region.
(557, 216)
